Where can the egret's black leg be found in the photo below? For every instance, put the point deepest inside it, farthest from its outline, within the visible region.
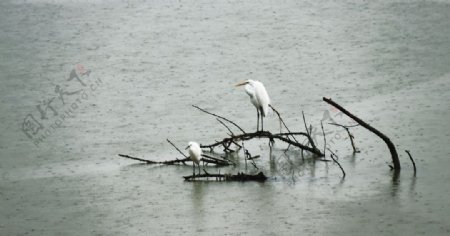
(199, 171)
(262, 122)
(193, 169)
(257, 121)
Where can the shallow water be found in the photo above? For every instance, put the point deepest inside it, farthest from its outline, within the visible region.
(387, 61)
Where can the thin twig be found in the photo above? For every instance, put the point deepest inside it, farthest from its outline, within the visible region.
(335, 161)
(221, 117)
(282, 121)
(324, 139)
(228, 128)
(310, 140)
(351, 137)
(177, 148)
(345, 126)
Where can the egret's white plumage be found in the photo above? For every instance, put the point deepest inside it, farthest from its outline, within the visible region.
(195, 153)
(258, 97)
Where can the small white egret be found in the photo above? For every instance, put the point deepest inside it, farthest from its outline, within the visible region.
(259, 98)
(195, 153)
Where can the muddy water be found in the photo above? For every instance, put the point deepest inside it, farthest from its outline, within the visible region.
(150, 61)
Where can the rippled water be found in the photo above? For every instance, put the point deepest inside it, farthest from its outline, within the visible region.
(387, 61)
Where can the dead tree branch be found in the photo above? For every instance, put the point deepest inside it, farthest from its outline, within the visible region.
(388, 142)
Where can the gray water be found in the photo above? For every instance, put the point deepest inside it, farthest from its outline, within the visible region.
(386, 61)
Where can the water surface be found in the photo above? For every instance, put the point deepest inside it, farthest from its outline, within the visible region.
(387, 61)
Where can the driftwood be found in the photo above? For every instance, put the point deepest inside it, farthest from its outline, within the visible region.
(388, 142)
(240, 176)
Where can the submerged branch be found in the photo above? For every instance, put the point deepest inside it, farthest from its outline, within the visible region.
(227, 177)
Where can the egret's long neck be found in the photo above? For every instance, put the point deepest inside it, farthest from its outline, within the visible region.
(249, 90)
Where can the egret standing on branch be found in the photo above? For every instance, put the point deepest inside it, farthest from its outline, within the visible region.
(195, 153)
(259, 98)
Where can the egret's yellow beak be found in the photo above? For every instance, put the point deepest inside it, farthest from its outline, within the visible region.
(186, 147)
(241, 83)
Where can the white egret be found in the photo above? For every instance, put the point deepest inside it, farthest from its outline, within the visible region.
(195, 153)
(259, 98)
